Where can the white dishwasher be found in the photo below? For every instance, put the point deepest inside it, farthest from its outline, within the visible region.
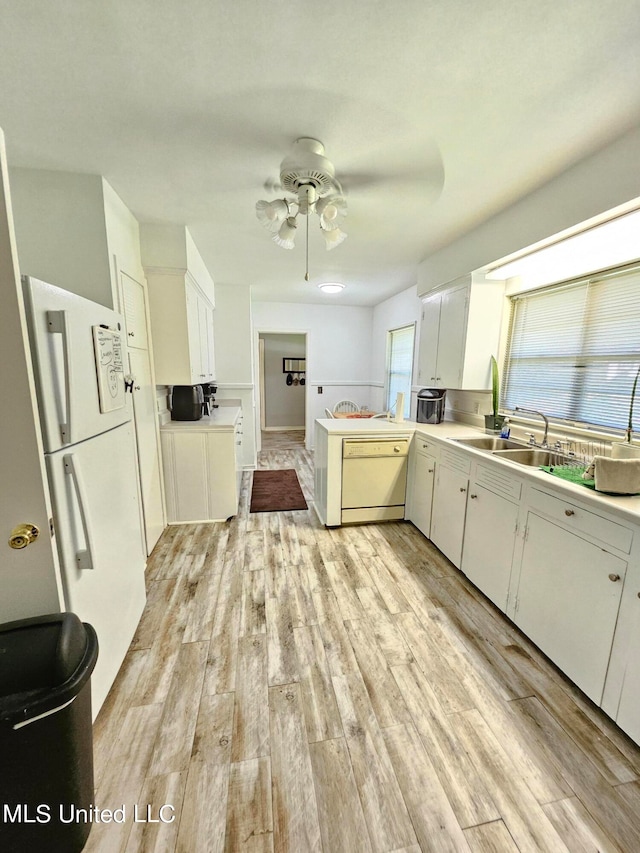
(374, 478)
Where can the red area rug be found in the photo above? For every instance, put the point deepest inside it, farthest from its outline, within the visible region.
(276, 491)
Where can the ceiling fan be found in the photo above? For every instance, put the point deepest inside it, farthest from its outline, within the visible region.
(310, 180)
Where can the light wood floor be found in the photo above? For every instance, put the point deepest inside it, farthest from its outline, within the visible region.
(292, 688)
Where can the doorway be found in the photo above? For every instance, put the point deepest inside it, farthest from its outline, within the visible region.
(282, 384)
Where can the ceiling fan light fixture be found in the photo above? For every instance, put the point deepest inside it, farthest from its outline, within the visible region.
(272, 213)
(331, 287)
(286, 234)
(333, 238)
(331, 209)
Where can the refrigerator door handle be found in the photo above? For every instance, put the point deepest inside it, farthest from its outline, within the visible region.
(84, 558)
(57, 324)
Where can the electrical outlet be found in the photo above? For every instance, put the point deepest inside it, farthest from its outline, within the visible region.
(319, 389)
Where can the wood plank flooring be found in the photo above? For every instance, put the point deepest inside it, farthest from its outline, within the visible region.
(293, 688)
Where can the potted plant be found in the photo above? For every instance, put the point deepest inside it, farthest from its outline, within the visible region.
(625, 449)
(494, 422)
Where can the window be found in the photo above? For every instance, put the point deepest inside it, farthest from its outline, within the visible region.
(400, 365)
(573, 350)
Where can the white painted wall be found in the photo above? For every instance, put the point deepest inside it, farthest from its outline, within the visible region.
(172, 247)
(598, 183)
(284, 404)
(61, 231)
(400, 310)
(338, 350)
(233, 342)
(123, 236)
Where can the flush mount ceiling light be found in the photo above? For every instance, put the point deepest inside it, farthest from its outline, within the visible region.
(331, 287)
(310, 178)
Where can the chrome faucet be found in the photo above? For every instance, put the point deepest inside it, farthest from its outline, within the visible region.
(544, 418)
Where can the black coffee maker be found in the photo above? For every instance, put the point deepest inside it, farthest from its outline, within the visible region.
(208, 402)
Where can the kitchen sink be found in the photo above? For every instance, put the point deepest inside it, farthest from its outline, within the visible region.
(489, 442)
(534, 456)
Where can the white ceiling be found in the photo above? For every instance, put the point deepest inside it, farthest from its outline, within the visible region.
(188, 108)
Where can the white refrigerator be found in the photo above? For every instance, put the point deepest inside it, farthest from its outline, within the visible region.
(78, 353)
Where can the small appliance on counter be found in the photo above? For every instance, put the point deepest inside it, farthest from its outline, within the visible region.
(209, 401)
(431, 405)
(187, 402)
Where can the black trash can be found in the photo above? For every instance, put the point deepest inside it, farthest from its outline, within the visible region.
(46, 740)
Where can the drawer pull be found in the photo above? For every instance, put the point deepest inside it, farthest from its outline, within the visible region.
(613, 577)
(473, 497)
(569, 512)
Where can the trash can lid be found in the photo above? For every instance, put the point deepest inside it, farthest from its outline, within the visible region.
(42, 651)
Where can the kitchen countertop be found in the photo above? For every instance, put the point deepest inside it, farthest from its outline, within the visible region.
(223, 418)
(626, 506)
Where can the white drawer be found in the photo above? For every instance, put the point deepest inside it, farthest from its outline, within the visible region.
(427, 447)
(499, 481)
(573, 515)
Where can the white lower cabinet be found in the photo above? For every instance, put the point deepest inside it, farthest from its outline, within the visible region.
(489, 540)
(421, 481)
(566, 572)
(450, 505)
(627, 714)
(202, 469)
(567, 600)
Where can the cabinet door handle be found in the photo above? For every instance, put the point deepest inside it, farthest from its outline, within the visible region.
(569, 512)
(430, 471)
(613, 577)
(473, 497)
(462, 490)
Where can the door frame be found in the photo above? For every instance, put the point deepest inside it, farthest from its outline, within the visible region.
(258, 374)
(31, 580)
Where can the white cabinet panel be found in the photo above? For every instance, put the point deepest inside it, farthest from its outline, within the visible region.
(489, 539)
(567, 602)
(459, 333)
(448, 513)
(203, 469)
(422, 492)
(182, 330)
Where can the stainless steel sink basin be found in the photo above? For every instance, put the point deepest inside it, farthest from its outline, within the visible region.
(490, 442)
(533, 456)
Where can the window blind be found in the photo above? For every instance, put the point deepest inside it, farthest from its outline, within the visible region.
(573, 350)
(400, 365)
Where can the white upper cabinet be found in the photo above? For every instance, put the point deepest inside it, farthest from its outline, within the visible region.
(181, 307)
(459, 333)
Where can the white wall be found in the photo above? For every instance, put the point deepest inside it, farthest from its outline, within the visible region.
(61, 231)
(171, 247)
(606, 179)
(233, 343)
(338, 350)
(123, 236)
(284, 404)
(400, 310)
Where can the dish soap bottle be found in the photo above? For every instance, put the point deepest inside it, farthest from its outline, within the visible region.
(505, 432)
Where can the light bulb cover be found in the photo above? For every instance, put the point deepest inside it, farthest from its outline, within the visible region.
(331, 287)
(333, 238)
(286, 234)
(332, 210)
(272, 213)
